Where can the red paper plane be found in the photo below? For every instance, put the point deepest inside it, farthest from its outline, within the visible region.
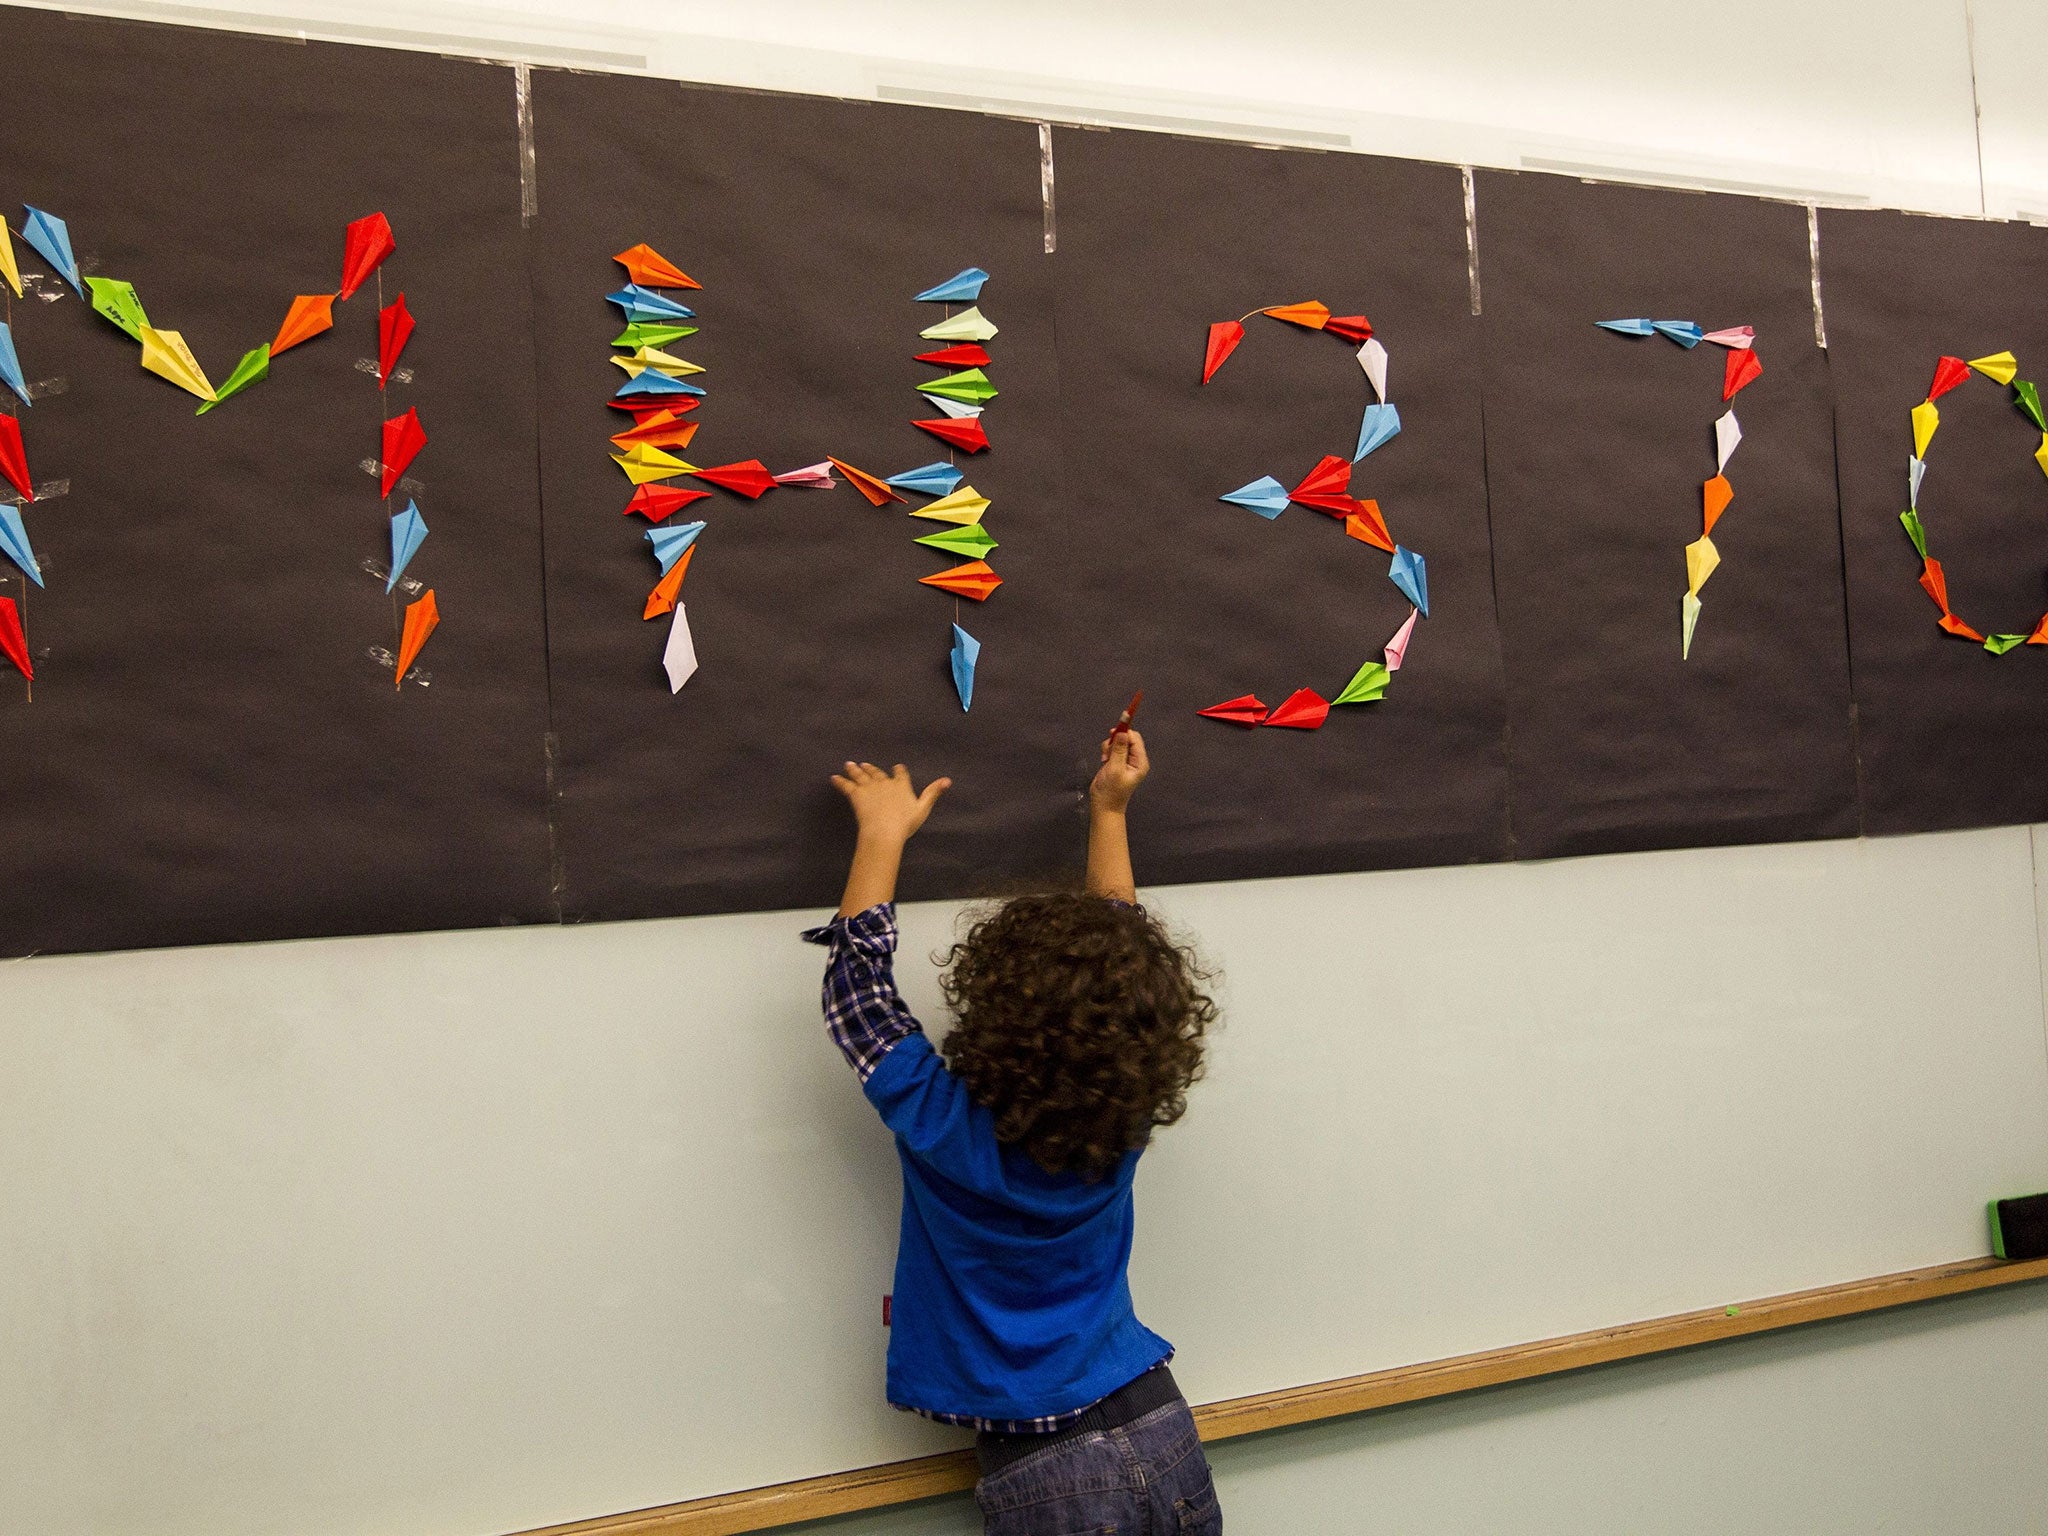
(658, 503)
(14, 644)
(1302, 710)
(1243, 710)
(663, 598)
(14, 458)
(1948, 373)
(1934, 582)
(404, 437)
(1352, 328)
(748, 478)
(310, 314)
(974, 579)
(1366, 525)
(1742, 367)
(1311, 315)
(648, 267)
(876, 490)
(394, 330)
(1327, 487)
(659, 429)
(963, 433)
(967, 356)
(420, 619)
(641, 407)
(369, 242)
(1956, 626)
(1224, 336)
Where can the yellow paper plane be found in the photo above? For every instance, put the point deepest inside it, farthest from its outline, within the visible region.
(8, 268)
(2041, 454)
(968, 325)
(642, 464)
(165, 354)
(660, 361)
(964, 506)
(1925, 419)
(1700, 560)
(1999, 365)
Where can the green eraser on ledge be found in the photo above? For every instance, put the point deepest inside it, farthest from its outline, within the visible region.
(2019, 1227)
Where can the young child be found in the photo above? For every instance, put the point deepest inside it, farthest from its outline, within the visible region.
(1079, 1030)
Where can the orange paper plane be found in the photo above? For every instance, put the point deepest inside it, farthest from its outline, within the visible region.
(974, 579)
(310, 314)
(877, 491)
(648, 267)
(1365, 524)
(1715, 496)
(663, 429)
(1934, 582)
(663, 598)
(420, 619)
(1956, 626)
(1312, 315)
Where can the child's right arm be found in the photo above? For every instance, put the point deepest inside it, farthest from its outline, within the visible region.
(1124, 766)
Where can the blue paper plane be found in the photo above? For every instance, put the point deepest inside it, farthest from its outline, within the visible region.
(928, 480)
(966, 652)
(10, 365)
(408, 533)
(1265, 496)
(650, 381)
(1411, 576)
(52, 240)
(1629, 327)
(670, 541)
(1381, 422)
(962, 288)
(14, 543)
(1684, 332)
(638, 303)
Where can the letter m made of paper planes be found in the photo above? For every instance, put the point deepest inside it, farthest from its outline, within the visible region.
(1327, 488)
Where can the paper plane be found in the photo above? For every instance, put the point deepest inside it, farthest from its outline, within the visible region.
(928, 479)
(165, 354)
(1925, 419)
(1408, 572)
(421, 617)
(1397, 648)
(643, 464)
(1302, 710)
(1934, 582)
(966, 652)
(659, 502)
(679, 656)
(394, 330)
(1224, 336)
(660, 361)
(812, 477)
(1715, 496)
(1368, 685)
(1629, 327)
(1310, 315)
(649, 382)
(1327, 487)
(408, 533)
(970, 384)
(645, 410)
(1916, 471)
(1998, 645)
(253, 368)
(116, 301)
(13, 461)
(1380, 424)
(662, 429)
(1351, 328)
(10, 269)
(961, 507)
(1727, 438)
(961, 434)
(1372, 357)
(748, 478)
(1684, 332)
(2041, 454)
(1688, 619)
(404, 437)
(13, 643)
(1999, 365)
(669, 541)
(968, 325)
(965, 356)
(52, 241)
(1701, 559)
(1742, 368)
(1244, 710)
(1734, 336)
(1948, 373)
(1365, 524)
(969, 540)
(959, 410)
(310, 314)
(663, 598)
(10, 364)
(972, 580)
(1956, 626)
(878, 491)
(367, 243)
(1910, 521)
(651, 333)
(1265, 496)
(637, 303)
(961, 288)
(2040, 634)
(649, 268)
(14, 542)
(2028, 399)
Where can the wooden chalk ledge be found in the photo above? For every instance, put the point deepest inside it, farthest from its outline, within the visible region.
(902, 1482)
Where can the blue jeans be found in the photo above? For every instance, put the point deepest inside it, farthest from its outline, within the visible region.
(1148, 1478)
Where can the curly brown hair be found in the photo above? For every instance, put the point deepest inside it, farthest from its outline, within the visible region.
(1080, 1026)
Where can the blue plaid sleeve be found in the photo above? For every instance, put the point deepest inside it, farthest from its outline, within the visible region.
(863, 1012)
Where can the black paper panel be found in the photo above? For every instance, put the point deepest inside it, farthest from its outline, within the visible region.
(1597, 448)
(1198, 600)
(210, 753)
(1950, 735)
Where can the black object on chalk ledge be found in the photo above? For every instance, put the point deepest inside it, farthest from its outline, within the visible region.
(2019, 1227)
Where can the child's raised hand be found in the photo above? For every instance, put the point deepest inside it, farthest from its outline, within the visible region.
(884, 804)
(1124, 766)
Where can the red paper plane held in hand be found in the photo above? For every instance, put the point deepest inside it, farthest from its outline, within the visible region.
(1742, 367)
(1243, 710)
(1224, 336)
(966, 356)
(657, 503)
(648, 267)
(14, 458)
(964, 433)
(973, 580)
(748, 478)
(1302, 710)
(1327, 487)
(404, 437)
(394, 330)
(877, 491)
(1355, 329)
(1948, 373)
(369, 242)
(14, 644)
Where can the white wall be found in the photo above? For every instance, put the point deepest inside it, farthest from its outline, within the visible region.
(426, 1234)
